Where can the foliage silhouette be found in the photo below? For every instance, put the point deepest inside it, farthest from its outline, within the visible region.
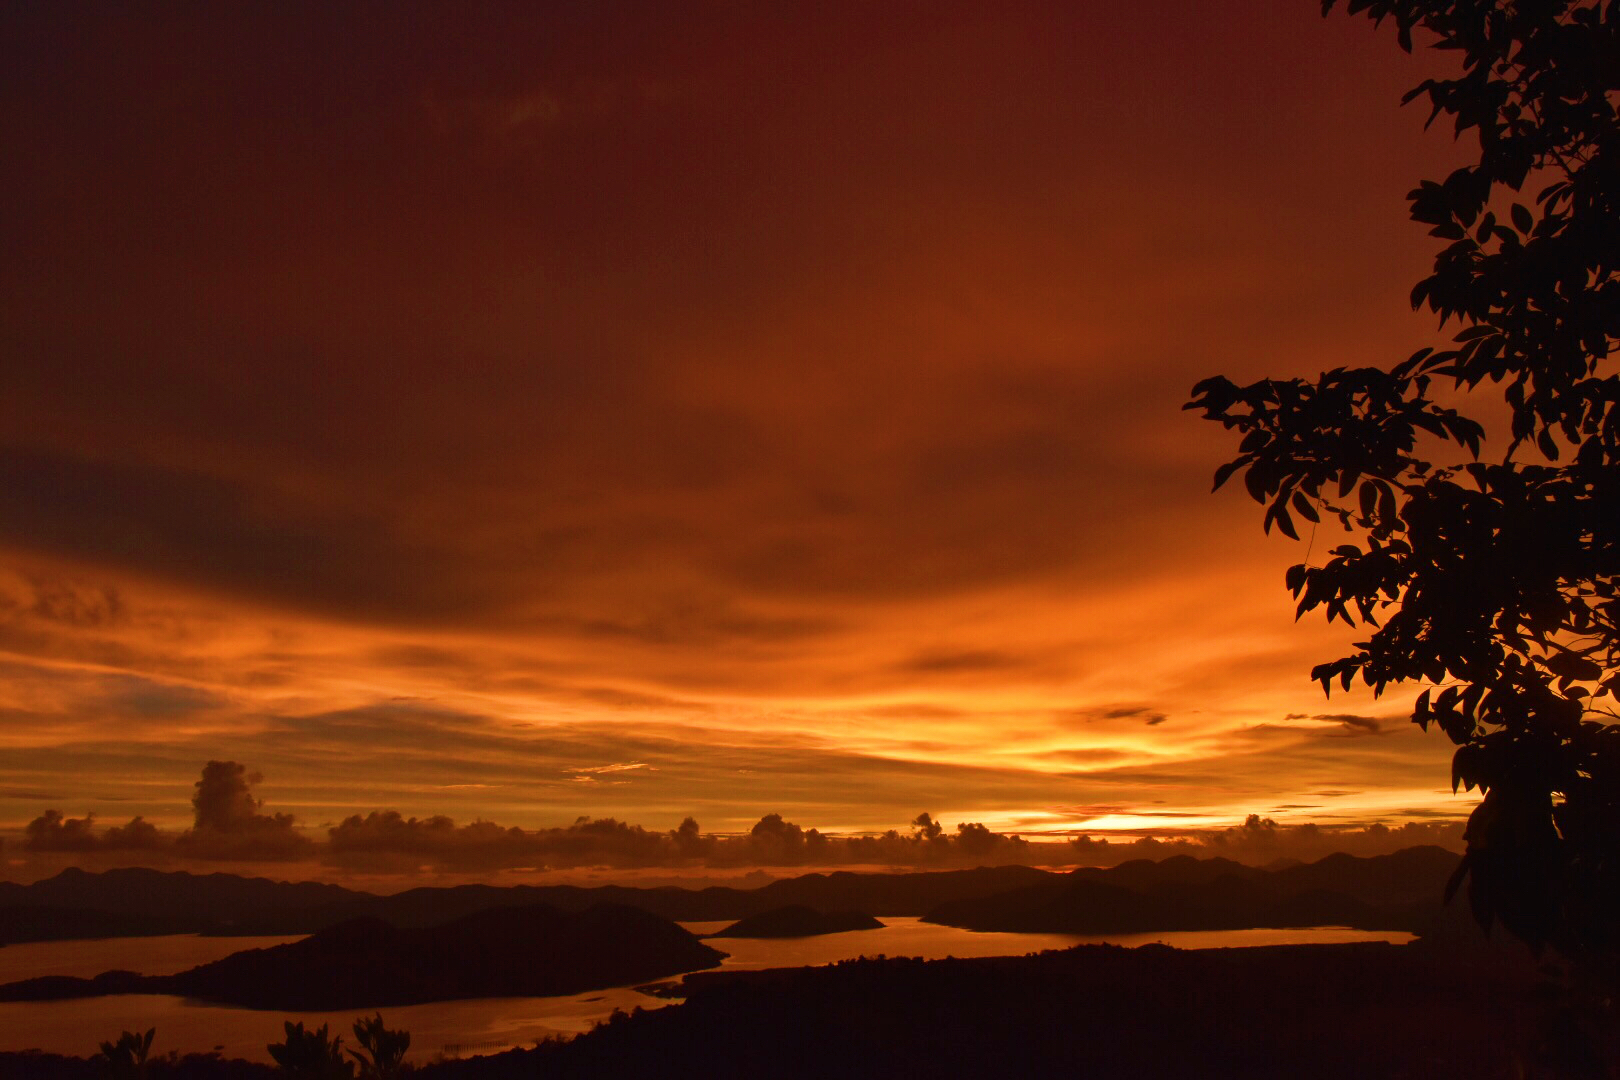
(126, 1058)
(384, 1057)
(1492, 580)
(311, 1055)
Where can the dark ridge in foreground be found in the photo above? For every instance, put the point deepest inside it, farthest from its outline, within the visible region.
(1327, 1012)
(798, 920)
(1335, 1012)
(35, 1065)
(533, 951)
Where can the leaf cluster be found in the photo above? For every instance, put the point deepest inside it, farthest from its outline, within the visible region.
(382, 1050)
(1493, 581)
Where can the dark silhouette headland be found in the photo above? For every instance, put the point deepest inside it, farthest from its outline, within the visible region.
(1340, 1012)
(532, 951)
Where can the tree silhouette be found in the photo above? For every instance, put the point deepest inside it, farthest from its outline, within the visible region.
(1486, 567)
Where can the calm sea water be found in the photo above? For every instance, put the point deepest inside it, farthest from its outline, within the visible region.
(484, 1025)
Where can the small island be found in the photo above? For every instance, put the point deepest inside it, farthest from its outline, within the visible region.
(798, 920)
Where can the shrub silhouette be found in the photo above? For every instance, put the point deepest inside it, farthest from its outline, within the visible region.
(126, 1058)
(384, 1057)
(311, 1055)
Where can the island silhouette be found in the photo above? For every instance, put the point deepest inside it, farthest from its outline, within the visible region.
(798, 920)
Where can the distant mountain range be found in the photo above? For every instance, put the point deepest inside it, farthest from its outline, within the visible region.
(141, 902)
(531, 951)
(171, 894)
(1401, 891)
(1387, 892)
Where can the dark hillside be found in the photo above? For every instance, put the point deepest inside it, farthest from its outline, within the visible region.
(1343, 1012)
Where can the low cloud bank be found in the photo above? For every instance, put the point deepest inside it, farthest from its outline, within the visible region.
(227, 826)
(53, 832)
(230, 825)
(383, 839)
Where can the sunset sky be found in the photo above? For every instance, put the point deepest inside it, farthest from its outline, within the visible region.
(648, 410)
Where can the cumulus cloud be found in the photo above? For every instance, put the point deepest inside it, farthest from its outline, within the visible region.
(138, 835)
(53, 832)
(228, 823)
(386, 838)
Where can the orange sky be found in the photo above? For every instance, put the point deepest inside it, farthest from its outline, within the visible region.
(711, 409)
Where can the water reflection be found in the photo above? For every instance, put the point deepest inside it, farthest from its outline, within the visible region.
(913, 937)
